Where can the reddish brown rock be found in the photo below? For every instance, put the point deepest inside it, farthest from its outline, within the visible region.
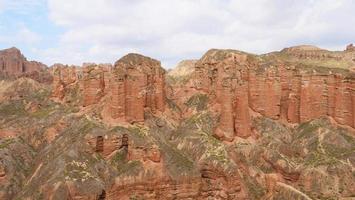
(211, 184)
(94, 84)
(153, 153)
(137, 83)
(265, 89)
(313, 97)
(63, 76)
(236, 83)
(309, 95)
(14, 64)
(104, 144)
(223, 74)
(7, 134)
(230, 94)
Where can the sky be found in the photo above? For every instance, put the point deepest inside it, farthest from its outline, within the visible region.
(102, 31)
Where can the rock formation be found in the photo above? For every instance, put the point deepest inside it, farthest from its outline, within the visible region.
(137, 83)
(14, 64)
(63, 76)
(237, 82)
(93, 84)
(232, 125)
(224, 76)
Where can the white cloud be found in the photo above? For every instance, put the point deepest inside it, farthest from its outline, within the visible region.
(2, 5)
(104, 30)
(23, 36)
(21, 6)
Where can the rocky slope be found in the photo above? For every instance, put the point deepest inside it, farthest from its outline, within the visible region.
(231, 125)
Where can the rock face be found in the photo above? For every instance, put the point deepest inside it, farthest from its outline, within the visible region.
(63, 76)
(236, 82)
(93, 83)
(14, 64)
(224, 76)
(236, 126)
(137, 83)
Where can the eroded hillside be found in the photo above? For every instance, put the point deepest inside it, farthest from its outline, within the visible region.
(231, 125)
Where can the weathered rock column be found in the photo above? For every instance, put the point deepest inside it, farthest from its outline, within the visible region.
(94, 85)
(137, 83)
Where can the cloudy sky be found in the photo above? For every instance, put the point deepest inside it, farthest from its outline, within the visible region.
(76, 31)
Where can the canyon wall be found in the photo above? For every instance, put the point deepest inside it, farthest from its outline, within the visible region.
(93, 83)
(240, 85)
(76, 143)
(63, 76)
(14, 64)
(137, 83)
(134, 84)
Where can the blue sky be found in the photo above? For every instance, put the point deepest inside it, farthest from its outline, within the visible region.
(77, 31)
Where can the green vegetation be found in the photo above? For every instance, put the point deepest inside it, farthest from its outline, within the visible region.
(77, 170)
(215, 149)
(172, 105)
(173, 80)
(198, 101)
(73, 96)
(43, 112)
(325, 63)
(306, 130)
(119, 157)
(255, 190)
(316, 159)
(139, 131)
(14, 108)
(130, 168)
(6, 142)
(202, 120)
(40, 95)
(326, 145)
(179, 164)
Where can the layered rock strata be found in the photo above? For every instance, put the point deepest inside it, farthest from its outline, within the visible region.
(241, 85)
(137, 83)
(14, 64)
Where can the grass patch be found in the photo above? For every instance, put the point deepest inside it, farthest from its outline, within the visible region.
(139, 131)
(306, 130)
(172, 105)
(6, 142)
(173, 80)
(43, 113)
(119, 157)
(130, 168)
(198, 101)
(12, 108)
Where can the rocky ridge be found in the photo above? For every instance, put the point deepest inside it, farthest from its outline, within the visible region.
(14, 64)
(237, 126)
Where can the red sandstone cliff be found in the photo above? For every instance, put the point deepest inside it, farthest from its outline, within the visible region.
(63, 76)
(90, 152)
(278, 90)
(137, 83)
(236, 82)
(13, 63)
